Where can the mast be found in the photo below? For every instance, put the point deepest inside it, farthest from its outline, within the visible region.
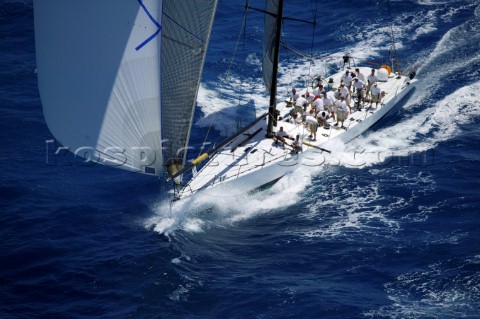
(273, 91)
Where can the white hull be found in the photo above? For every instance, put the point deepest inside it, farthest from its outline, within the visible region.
(259, 162)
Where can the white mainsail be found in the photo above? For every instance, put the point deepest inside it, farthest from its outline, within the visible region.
(102, 65)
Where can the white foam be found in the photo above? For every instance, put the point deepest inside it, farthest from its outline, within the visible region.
(193, 225)
(161, 225)
(451, 292)
(453, 10)
(341, 210)
(194, 214)
(180, 294)
(225, 104)
(432, 2)
(423, 30)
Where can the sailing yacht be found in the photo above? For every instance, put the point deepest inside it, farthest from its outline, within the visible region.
(119, 86)
(252, 160)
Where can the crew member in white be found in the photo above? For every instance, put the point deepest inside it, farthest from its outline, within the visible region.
(347, 80)
(301, 105)
(322, 118)
(371, 79)
(294, 96)
(317, 104)
(293, 118)
(342, 111)
(345, 93)
(297, 144)
(360, 75)
(318, 90)
(312, 123)
(280, 135)
(375, 95)
(337, 94)
(328, 105)
(309, 97)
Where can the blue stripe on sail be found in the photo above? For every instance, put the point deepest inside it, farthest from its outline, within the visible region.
(144, 43)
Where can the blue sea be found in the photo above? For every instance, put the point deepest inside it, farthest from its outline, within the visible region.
(388, 227)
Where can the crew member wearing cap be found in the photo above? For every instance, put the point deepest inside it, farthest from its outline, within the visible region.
(317, 104)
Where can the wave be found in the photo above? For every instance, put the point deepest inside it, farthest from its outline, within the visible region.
(444, 290)
(198, 213)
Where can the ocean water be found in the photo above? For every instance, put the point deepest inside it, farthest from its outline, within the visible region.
(388, 227)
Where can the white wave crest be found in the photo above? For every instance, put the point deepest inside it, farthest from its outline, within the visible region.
(441, 291)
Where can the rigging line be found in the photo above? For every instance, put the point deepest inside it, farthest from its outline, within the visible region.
(242, 29)
(296, 51)
(314, 29)
(183, 28)
(208, 132)
(393, 50)
(288, 57)
(245, 25)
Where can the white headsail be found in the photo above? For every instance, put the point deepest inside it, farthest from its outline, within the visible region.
(99, 78)
(102, 65)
